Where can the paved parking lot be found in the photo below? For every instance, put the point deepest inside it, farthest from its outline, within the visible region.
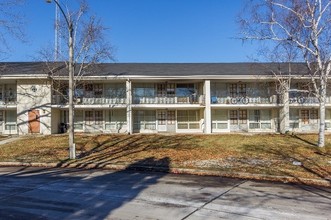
(40, 193)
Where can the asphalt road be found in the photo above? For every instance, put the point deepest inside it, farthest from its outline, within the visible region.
(39, 193)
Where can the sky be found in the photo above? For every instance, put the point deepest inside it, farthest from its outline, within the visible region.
(150, 31)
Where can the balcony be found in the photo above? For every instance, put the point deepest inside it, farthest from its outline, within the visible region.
(244, 100)
(170, 100)
(63, 100)
(11, 100)
(307, 100)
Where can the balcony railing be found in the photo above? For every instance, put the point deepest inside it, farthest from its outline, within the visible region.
(170, 100)
(307, 100)
(63, 100)
(12, 100)
(244, 100)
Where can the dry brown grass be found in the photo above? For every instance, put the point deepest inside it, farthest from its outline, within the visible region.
(259, 154)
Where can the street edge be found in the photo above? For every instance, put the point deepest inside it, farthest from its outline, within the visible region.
(201, 172)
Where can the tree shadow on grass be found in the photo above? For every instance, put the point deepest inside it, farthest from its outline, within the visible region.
(282, 159)
(305, 141)
(42, 193)
(123, 150)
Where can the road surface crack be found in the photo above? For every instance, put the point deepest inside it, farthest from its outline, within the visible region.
(213, 199)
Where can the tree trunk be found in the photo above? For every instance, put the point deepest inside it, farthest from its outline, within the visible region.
(321, 132)
(72, 150)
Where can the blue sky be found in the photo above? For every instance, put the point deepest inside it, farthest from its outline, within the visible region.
(151, 30)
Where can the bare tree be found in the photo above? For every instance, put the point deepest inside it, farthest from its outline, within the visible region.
(11, 23)
(84, 46)
(301, 26)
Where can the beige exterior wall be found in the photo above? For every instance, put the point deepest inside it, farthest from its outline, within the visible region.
(33, 95)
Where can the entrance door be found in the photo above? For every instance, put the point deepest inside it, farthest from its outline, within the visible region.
(34, 121)
(166, 121)
(238, 120)
(162, 120)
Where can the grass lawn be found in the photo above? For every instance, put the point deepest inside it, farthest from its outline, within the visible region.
(259, 154)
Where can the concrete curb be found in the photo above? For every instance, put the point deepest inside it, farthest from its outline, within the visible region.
(240, 175)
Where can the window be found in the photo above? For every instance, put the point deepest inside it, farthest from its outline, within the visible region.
(144, 90)
(256, 116)
(238, 117)
(79, 120)
(115, 90)
(314, 116)
(98, 117)
(11, 117)
(188, 119)
(219, 119)
(1, 93)
(294, 118)
(145, 120)
(98, 90)
(10, 93)
(185, 90)
(1, 116)
(305, 116)
(161, 90)
(161, 117)
(115, 119)
(79, 91)
(233, 117)
(242, 116)
(242, 90)
(237, 89)
(170, 89)
(89, 87)
(260, 119)
(89, 117)
(254, 119)
(233, 90)
(171, 117)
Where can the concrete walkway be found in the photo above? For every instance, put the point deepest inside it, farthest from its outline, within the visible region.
(53, 193)
(10, 139)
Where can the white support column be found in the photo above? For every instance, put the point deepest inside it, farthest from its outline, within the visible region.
(129, 120)
(207, 107)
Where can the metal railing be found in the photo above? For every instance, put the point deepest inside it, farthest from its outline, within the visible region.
(62, 100)
(170, 100)
(244, 100)
(307, 100)
(11, 100)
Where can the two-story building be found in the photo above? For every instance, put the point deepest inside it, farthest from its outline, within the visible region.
(151, 98)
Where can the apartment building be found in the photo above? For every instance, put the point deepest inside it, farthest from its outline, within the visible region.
(156, 98)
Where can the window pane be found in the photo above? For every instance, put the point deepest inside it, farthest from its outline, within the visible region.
(305, 116)
(242, 90)
(314, 114)
(233, 116)
(98, 117)
(11, 117)
(161, 117)
(222, 126)
(185, 90)
(294, 114)
(233, 90)
(266, 125)
(182, 126)
(253, 125)
(89, 117)
(242, 116)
